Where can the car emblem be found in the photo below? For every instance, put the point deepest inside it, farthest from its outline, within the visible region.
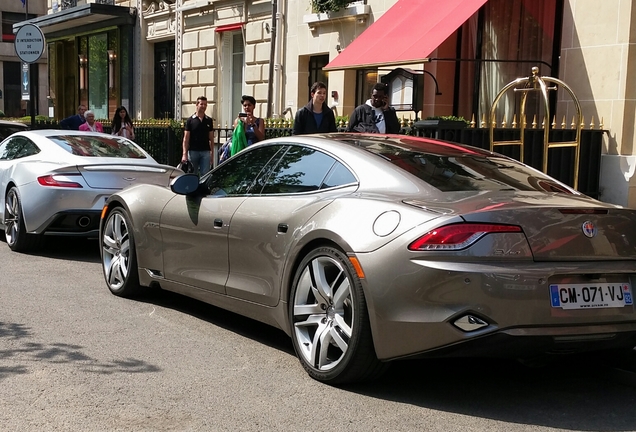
(129, 178)
(589, 229)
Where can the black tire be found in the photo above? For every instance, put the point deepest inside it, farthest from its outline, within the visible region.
(14, 230)
(119, 260)
(329, 320)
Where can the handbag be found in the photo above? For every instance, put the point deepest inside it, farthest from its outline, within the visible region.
(186, 166)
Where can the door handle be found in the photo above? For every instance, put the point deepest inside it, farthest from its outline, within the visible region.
(282, 228)
(218, 223)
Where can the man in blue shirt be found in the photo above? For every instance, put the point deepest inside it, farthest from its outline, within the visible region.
(75, 121)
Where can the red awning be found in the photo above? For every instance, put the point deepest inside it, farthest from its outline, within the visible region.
(407, 33)
(229, 27)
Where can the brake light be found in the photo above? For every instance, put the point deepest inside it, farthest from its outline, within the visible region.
(458, 236)
(58, 180)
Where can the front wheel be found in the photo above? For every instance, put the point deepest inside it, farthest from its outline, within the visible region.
(330, 325)
(118, 255)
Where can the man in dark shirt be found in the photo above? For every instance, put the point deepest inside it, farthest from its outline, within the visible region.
(375, 116)
(316, 116)
(198, 139)
(75, 121)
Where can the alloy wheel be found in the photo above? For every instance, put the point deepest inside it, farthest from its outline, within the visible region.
(12, 214)
(116, 251)
(323, 313)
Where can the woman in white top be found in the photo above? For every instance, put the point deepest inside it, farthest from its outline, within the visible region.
(122, 124)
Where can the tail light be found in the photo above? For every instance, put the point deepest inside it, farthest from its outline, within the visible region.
(59, 180)
(458, 236)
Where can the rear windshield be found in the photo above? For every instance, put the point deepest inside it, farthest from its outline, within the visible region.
(97, 146)
(451, 168)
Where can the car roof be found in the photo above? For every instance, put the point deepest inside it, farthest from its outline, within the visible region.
(13, 124)
(369, 142)
(60, 132)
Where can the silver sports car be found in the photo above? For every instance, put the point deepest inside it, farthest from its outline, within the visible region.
(56, 182)
(370, 248)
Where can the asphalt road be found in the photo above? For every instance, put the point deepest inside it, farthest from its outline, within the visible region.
(73, 357)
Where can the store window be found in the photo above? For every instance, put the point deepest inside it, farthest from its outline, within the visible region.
(500, 43)
(522, 33)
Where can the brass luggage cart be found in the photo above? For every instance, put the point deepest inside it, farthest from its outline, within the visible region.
(535, 83)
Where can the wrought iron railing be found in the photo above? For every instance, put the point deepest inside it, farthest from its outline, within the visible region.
(67, 4)
(163, 141)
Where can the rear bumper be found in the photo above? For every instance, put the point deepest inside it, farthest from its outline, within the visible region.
(415, 304)
(58, 210)
(82, 223)
(540, 342)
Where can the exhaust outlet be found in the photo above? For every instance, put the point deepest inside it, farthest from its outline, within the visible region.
(84, 221)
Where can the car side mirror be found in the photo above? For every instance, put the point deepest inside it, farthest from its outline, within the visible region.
(186, 184)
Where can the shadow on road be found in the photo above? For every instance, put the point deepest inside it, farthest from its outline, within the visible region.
(14, 338)
(230, 321)
(65, 248)
(580, 395)
(574, 395)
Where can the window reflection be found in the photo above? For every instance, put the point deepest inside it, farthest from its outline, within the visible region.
(301, 169)
(94, 146)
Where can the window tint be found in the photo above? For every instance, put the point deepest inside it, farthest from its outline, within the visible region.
(451, 167)
(98, 146)
(17, 147)
(301, 169)
(471, 172)
(338, 176)
(236, 176)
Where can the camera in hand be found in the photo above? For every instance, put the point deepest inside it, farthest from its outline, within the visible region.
(242, 114)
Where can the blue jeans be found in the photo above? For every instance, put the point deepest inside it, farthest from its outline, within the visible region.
(200, 160)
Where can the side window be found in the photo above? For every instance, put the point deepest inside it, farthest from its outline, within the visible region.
(236, 176)
(4, 148)
(18, 147)
(338, 176)
(28, 148)
(301, 169)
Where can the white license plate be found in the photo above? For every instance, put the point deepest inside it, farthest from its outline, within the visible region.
(591, 296)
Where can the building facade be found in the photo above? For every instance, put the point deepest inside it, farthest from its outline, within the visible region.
(157, 56)
(13, 91)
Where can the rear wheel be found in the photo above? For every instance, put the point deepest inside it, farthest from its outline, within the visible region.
(119, 260)
(330, 325)
(14, 230)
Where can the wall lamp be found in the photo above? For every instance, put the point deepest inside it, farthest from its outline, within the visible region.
(112, 56)
(437, 92)
(83, 63)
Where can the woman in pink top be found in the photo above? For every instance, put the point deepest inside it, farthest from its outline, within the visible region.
(91, 124)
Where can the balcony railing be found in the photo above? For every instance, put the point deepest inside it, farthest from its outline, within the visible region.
(67, 4)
